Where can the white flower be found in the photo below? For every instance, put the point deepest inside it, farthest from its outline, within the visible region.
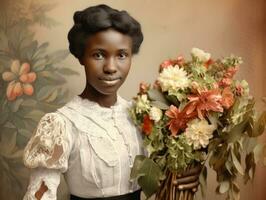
(173, 78)
(199, 132)
(143, 103)
(200, 54)
(155, 114)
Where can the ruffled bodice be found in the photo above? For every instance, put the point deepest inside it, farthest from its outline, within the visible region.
(92, 145)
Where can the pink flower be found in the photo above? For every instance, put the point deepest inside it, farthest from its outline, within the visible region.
(143, 88)
(228, 75)
(156, 85)
(227, 98)
(179, 61)
(239, 90)
(231, 71)
(204, 101)
(20, 79)
(225, 82)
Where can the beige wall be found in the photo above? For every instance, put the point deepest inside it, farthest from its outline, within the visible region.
(173, 27)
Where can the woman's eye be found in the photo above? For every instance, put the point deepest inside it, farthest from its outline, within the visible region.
(122, 55)
(98, 56)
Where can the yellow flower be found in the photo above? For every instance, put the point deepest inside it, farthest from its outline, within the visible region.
(143, 103)
(173, 78)
(199, 132)
(155, 114)
(200, 54)
(20, 79)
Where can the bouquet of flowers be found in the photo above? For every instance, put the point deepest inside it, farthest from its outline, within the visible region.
(196, 112)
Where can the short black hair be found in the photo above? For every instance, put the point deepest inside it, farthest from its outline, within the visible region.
(99, 18)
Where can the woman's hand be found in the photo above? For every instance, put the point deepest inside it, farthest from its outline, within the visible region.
(189, 179)
(41, 191)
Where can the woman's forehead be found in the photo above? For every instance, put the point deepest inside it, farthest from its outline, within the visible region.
(109, 39)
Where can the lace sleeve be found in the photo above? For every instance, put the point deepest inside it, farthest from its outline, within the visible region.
(51, 179)
(50, 146)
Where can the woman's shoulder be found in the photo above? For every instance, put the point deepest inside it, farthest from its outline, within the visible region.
(49, 145)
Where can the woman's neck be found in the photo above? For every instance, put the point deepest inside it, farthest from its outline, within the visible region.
(101, 99)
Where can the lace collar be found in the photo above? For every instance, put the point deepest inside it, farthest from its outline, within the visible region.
(81, 110)
(86, 107)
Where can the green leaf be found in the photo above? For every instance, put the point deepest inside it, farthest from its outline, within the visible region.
(29, 103)
(258, 150)
(39, 64)
(47, 92)
(236, 163)
(3, 40)
(224, 187)
(228, 166)
(57, 56)
(250, 167)
(138, 162)
(237, 131)
(14, 106)
(42, 48)
(67, 71)
(173, 100)
(30, 50)
(35, 115)
(8, 140)
(203, 181)
(150, 175)
(156, 95)
(236, 191)
(249, 144)
(259, 126)
(3, 118)
(51, 97)
(54, 77)
(160, 105)
(46, 74)
(26, 133)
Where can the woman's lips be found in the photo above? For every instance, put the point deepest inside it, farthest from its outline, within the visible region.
(110, 82)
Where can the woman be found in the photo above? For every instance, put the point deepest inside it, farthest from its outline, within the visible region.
(92, 139)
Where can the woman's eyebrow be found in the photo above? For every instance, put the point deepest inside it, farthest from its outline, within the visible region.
(98, 49)
(124, 49)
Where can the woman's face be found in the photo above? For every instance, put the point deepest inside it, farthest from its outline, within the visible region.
(107, 61)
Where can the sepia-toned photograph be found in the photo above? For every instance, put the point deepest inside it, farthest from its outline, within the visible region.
(132, 100)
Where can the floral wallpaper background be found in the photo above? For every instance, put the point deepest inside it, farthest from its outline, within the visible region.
(31, 84)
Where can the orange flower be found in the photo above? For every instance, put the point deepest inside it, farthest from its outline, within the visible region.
(147, 125)
(227, 98)
(178, 120)
(208, 63)
(204, 101)
(20, 79)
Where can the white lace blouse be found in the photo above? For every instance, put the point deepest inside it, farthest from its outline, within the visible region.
(92, 145)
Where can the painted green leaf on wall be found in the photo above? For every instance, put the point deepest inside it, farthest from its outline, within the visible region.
(31, 84)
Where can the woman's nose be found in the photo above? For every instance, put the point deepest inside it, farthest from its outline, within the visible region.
(110, 66)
